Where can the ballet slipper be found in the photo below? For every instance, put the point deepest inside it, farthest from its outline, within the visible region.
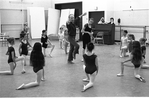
(120, 75)
(20, 87)
(121, 56)
(42, 79)
(86, 80)
(83, 88)
(141, 79)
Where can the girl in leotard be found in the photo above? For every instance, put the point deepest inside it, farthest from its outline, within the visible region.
(12, 59)
(136, 59)
(90, 66)
(37, 61)
(23, 49)
(46, 43)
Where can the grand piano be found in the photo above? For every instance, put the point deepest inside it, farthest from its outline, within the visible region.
(109, 32)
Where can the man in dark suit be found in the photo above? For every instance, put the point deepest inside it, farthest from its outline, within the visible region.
(111, 21)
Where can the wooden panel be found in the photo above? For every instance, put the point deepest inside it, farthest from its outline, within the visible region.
(37, 21)
(53, 21)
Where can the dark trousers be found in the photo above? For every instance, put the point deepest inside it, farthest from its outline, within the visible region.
(74, 48)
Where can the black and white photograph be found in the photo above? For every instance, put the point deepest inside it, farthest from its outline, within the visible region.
(74, 48)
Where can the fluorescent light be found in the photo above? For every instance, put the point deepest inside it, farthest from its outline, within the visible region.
(17, 2)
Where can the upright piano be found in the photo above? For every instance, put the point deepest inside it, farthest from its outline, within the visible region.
(109, 32)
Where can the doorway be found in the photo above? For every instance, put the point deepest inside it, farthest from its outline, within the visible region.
(78, 11)
(96, 15)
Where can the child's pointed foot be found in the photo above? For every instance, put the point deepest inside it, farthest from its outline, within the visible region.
(42, 79)
(121, 56)
(120, 75)
(83, 88)
(20, 87)
(141, 79)
(86, 80)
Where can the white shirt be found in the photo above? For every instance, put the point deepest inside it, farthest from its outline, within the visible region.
(124, 41)
(61, 35)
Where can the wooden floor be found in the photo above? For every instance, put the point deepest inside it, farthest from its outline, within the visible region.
(65, 80)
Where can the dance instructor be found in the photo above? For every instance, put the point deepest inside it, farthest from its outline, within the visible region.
(74, 47)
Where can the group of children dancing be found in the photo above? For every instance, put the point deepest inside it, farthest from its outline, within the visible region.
(36, 57)
(137, 50)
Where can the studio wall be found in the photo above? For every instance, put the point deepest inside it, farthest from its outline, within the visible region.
(13, 25)
(0, 23)
(12, 21)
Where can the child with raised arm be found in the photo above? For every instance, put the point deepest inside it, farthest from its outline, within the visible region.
(23, 49)
(37, 61)
(124, 44)
(90, 66)
(46, 43)
(136, 59)
(12, 59)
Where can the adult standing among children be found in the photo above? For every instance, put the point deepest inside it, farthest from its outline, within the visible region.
(74, 47)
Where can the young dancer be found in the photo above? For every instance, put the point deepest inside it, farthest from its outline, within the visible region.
(136, 59)
(87, 32)
(61, 37)
(124, 44)
(143, 47)
(37, 61)
(131, 38)
(90, 66)
(12, 59)
(66, 42)
(23, 49)
(46, 43)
